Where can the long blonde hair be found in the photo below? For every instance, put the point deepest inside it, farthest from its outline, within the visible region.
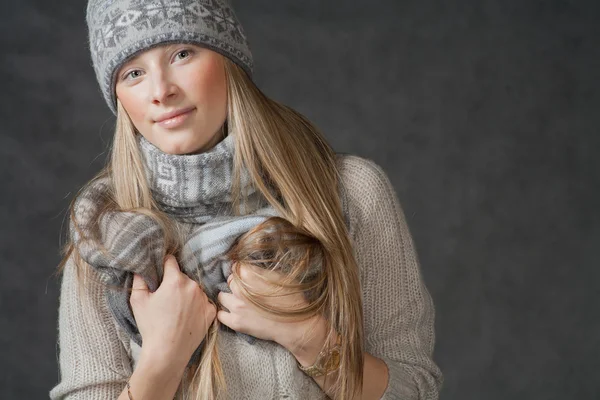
(294, 168)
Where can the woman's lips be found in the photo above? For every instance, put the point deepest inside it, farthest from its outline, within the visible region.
(175, 121)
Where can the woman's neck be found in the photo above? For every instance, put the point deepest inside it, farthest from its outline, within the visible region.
(193, 184)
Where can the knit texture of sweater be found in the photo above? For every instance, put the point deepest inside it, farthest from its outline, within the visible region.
(97, 356)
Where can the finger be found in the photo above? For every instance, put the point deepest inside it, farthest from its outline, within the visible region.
(210, 315)
(245, 272)
(138, 283)
(227, 300)
(139, 289)
(171, 267)
(211, 311)
(227, 319)
(235, 287)
(253, 277)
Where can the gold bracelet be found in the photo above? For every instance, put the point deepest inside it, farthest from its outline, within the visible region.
(327, 361)
(129, 392)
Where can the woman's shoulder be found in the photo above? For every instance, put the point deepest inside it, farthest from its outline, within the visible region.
(365, 181)
(369, 198)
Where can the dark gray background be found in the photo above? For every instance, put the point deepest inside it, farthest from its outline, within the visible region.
(483, 113)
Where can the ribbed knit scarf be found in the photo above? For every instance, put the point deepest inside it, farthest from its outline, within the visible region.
(193, 189)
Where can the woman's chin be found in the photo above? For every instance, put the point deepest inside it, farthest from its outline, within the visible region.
(177, 144)
(184, 148)
(182, 142)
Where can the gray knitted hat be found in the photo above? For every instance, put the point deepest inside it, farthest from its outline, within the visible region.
(119, 29)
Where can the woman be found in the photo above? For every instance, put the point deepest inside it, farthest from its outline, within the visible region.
(197, 143)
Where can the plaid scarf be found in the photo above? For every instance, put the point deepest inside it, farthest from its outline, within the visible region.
(192, 189)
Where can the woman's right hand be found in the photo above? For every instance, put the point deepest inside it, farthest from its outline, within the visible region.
(172, 320)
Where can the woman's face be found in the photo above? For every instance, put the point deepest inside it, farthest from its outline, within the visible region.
(176, 96)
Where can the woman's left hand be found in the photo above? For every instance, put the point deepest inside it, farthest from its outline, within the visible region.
(297, 337)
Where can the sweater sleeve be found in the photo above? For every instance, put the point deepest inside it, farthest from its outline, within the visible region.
(398, 309)
(94, 364)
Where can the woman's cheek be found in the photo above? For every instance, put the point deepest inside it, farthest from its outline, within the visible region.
(210, 85)
(134, 106)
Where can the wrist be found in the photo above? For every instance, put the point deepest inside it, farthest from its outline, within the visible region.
(159, 363)
(153, 378)
(306, 340)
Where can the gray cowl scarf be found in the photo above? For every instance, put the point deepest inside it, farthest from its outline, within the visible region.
(193, 189)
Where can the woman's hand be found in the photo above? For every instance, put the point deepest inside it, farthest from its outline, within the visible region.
(301, 338)
(174, 319)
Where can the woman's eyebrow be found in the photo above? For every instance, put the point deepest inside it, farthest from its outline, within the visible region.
(131, 60)
(165, 49)
(169, 47)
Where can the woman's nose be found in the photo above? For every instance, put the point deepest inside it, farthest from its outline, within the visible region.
(163, 88)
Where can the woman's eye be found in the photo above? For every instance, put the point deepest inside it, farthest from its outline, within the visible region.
(183, 54)
(133, 74)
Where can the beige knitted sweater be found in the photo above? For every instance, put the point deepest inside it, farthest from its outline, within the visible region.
(96, 357)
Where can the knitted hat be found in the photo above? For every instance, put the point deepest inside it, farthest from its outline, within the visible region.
(119, 29)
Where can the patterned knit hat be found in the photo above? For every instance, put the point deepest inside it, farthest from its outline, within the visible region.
(119, 29)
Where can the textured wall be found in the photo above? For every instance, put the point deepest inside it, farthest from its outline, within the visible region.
(484, 113)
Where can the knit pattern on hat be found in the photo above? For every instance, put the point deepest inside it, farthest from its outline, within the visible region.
(119, 29)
